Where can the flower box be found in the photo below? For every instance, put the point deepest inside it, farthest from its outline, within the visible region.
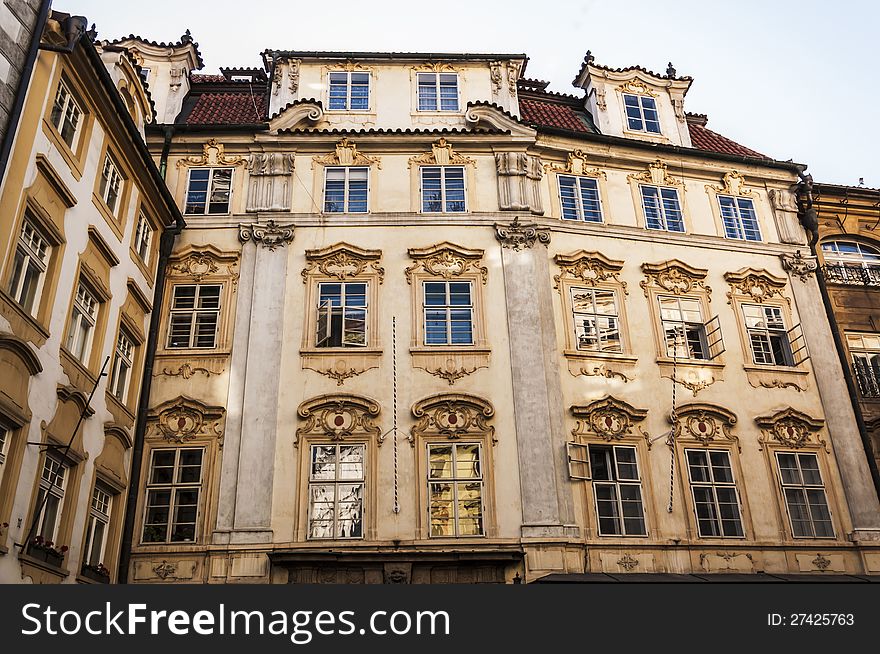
(96, 573)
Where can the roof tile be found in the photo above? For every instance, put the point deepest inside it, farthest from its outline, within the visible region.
(228, 109)
(552, 114)
(705, 139)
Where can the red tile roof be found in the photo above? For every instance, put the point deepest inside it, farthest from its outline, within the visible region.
(705, 139)
(552, 114)
(197, 78)
(228, 109)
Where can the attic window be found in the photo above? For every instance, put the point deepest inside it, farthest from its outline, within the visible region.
(641, 113)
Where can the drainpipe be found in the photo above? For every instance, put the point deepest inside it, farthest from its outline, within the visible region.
(809, 218)
(166, 245)
(23, 84)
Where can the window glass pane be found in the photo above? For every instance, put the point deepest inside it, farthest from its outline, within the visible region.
(440, 461)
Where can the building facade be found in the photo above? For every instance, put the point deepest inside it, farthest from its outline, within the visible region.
(83, 213)
(430, 322)
(849, 258)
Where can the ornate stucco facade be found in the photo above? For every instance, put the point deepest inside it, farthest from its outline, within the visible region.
(429, 322)
(83, 211)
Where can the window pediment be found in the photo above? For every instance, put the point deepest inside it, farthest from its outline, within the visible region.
(791, 428)
(610, 419)
(656, 174)
(342, 261)
(675, 277)
(733, 183)
(446, 260)
(576, 164)
(756, 285)
(441, 154)
(184, 419)
(589, 268)
(704, 423)
(339, 416)
(346, 154)
(213, 154)
(198, 262)
(454, 415)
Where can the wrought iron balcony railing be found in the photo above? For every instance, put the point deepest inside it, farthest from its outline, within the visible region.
(841, 273)
(867, 377)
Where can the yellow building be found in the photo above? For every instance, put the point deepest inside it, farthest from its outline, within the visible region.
(429, 322)
(83, 212)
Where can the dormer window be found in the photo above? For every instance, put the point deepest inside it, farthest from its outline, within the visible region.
(349, 91)
(145, 74)
(641, 113)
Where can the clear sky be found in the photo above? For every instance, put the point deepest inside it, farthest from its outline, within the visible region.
(794, 80)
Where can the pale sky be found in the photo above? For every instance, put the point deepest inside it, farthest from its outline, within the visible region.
(793, 80)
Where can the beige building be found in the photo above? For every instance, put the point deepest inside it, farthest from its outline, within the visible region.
(430, 322)
(82, 212)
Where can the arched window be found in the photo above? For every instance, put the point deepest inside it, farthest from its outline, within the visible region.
(851, 262)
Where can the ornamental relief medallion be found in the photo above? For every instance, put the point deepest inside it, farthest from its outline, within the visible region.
(338, 417)
(184, 419)
(516, 235)
(441, 154)
(637, 86)
(756, 285)
(342, 261)
(732, 184)
(610, 419)
(656, 174)
(704, 423)
(199, 262)
(446, 260)
(213, 154)
(452, 415)
(675, 277)
(591, 268)
(800, 266)
(791, 428)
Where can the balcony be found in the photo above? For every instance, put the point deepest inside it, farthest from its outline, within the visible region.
(851, 274)
(867, 377)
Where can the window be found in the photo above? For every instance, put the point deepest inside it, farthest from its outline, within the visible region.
(740, 221)
(443, 189)
(208, 191)
(346, 190)
(195, 314)
(122, 365)
(173, 490)
(47, 513)
(350, 90)
(336, 491)
(438, 91)
(82, 323)
(662, 210)
(714, 491)
(851, 262)
(29, 267)
(342, 314)
(455, 481)
(66, 115)
(449, 313)
(98, 525)
(143, 235)
(641, 113)
(617, 490)
(683, 328)
(111, 182)
(5, 437)
(144, 74)
(804, 495)
(596, 319)
(865, 351)
(767, 335)
(580, 198)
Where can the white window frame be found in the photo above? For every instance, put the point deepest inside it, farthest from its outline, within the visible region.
(173, 487)
(6, 431)
(713, 485)
(83, 322)
(206, 211)
(455, 480)
(448, 308)
(326, 311)
(439, 102)
(143, 236)
(110, 187)
(738, 225)
(100, 510)
(31, 255)
(123, 364)
(69, 112)
(804, 488)
(348, 87)
(684, 324)
(766, 333)
(194, 312)
(579, 181)
(53, 482)
(346, 188)
(596, 317)
(337, 482)
(617, 483)
(443, 200)
(661, 208)
(641, 106)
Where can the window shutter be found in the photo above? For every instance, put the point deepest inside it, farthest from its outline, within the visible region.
(714, 339)
(799, 352)
(579, 461)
